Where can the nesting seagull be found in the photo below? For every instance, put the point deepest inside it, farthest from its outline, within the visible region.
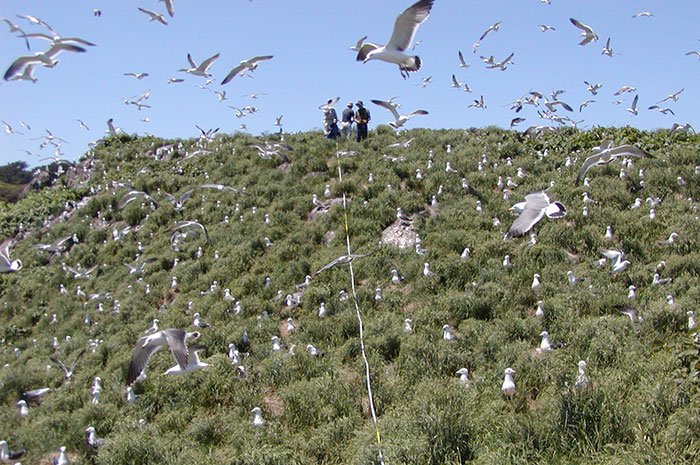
(399, 120)
(245, 65)
(401, 38)
(174, 339)
(588, 34)
(536, 205)
(605, 153)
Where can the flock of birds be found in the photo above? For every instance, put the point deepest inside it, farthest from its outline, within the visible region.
(180, 342)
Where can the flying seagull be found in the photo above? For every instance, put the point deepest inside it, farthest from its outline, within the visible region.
(399, 120)
(68, 373)
(154, 16)
(6, 263)
(536, 205)
(249, 65)
(616, 257)
(673, 96)
(588, 34)
(462, 62)
(193, 362)
(401, 38)
(46, 58)
(605, 153)
(174, 339)
(169, 7)
(188, 224)
(200, 70)
(633, 108)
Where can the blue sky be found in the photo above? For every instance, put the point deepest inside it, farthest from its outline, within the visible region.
(309, 41)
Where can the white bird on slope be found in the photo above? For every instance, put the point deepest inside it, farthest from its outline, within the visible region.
(405, 29)
(399, 120)
(508, 386)
(535, 207)
(249, 64)
(200, 70)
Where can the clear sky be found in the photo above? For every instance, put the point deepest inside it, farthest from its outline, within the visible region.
(309, 40)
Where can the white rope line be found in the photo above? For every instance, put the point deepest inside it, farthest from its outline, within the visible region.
(360, 324)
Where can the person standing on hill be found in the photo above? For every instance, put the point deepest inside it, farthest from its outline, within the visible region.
(330, 120)
(362, 117)
(347, 118)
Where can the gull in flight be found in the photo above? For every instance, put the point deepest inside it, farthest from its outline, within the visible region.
(193, 362)
(6, 263)
(401, 38)
(200, 70)
(79, 274)
(605, 153)
(593, 88)
(246, 65)
(665, 111)
(399, 120)
(358, 46)
(455, 83)
(693, 52)
(137, 75)
(616, 257)
(462, 62)
(483, 36)
(588, 34)
(535, 206)
(633, 108)
(607, 50)
(169, 7)
(642, 13)
(9, 130)
(154, 16)
(174, 339)
(673, 97)
(545, 28)
(478, 103)
(68, 373)
(46, 58)
(624, 89)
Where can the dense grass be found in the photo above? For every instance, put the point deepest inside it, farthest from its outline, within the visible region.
(642, 405)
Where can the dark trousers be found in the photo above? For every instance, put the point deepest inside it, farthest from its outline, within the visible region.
(361, 131)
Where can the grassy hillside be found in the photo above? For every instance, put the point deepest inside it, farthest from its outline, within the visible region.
(642, 405)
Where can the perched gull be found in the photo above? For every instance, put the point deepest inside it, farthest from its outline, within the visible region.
(7, 455)
(175, 339)
(399, 120)
(536, 284)
(405, 29)
(407, 328)
(508, 386)
(23, 409)
(257, 417)
(92, 439)
(582, 380)
(200, 70)
(588, 34)
(605, 153)
(197, 323)
(249, 65)
(463, 377)
(62, 457)
(536, 206)
(447, 333)
(6, 263)
(313, 351)
(545, 345)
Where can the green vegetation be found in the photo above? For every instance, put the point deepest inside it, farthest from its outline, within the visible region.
(642, 405)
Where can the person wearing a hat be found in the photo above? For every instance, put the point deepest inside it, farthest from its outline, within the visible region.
(347, 119)
(361, 118)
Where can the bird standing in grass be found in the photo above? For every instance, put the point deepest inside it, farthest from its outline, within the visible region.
(508, 386)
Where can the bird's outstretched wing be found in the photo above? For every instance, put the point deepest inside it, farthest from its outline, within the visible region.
(407, 24)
